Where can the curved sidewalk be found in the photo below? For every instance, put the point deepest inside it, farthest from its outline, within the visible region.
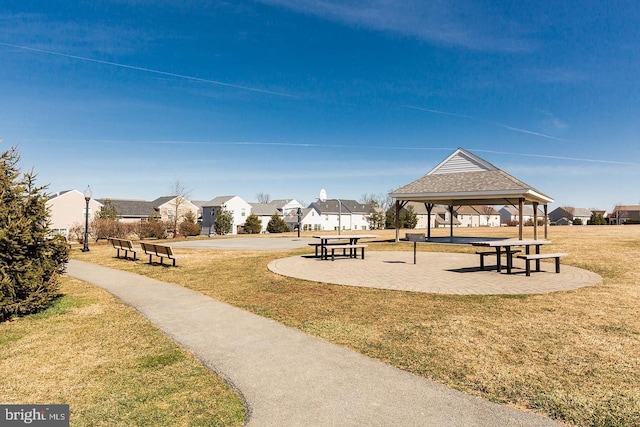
(434, 272)
(288, 378)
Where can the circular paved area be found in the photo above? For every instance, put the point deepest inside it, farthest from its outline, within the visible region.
(434, 272)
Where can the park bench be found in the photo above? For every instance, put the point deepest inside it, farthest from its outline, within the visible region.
(123, 245)
(537, 257)
(353, 250)
(493, 252)
(160, 251)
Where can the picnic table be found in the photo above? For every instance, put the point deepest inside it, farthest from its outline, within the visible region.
(505, 246)
(352, 245)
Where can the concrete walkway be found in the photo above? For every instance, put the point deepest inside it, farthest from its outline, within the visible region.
(288, 378)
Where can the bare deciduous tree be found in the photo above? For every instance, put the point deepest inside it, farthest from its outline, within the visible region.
(181, 196)
(263, 197)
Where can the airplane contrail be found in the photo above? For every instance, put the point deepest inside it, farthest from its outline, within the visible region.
(312, 145)
(150, 70)
(511, 128)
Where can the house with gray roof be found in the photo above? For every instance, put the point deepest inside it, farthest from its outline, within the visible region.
(236, 205)
(338, 214)
(510, 215)
(624, 213)
(567, 215)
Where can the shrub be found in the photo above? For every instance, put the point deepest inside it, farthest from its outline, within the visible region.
(189, 225)
(253, 225)
(277, 225)
(30, 260)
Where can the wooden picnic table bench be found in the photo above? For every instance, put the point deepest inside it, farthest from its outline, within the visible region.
(320, 246)
(537, 257)
(353, 250)
(123, 245)
(493, 252)
(160, 251)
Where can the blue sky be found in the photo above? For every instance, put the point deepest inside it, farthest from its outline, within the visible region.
(286, 97)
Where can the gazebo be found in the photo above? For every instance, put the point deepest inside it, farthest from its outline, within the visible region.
(464, 179)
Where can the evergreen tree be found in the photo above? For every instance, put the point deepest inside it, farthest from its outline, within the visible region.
(108, 211)
(189, 225)
(30, 259)
(253, 225)
(277, 225)
(407, 219)
(223, 222)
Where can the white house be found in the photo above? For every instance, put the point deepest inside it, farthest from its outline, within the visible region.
(478, 216)
(236, 205)
(286, 206)
(264, 212)
(67, 208)
(337, 214)
(509, 215)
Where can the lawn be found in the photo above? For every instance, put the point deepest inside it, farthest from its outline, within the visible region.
(110, 365)
(574, 356)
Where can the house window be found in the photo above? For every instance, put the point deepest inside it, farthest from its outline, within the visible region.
(243, 212)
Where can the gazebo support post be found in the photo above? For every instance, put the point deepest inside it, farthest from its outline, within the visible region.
(520, 217)
(546, 220)
(397, 221)
(535, 220)
(429, 207)
(451, 222)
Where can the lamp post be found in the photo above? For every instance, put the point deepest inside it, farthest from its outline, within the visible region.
(87, 197)
(299, 212)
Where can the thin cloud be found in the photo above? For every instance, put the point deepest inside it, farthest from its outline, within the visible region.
(548, 156)
(447, 23)
(323, 146)
(502, 125)
(152, 71)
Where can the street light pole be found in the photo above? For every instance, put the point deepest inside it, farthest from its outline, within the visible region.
(299, 212)
(87, 197)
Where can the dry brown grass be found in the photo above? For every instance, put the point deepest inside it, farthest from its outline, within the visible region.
(572, 355)
(110, 365)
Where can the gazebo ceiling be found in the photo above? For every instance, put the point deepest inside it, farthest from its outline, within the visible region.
(465, 179)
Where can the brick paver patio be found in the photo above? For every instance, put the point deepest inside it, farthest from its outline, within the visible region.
(434, 272)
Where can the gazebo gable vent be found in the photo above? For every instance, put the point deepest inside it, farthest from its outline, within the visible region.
(462, 161)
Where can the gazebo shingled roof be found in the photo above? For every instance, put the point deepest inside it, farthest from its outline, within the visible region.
(464, 179)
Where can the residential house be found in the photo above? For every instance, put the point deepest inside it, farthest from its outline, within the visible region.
(264, 212)
(311, 220)
(339, 214)
(478, 216)
(285, 208)
(171, 207)
(131, 210)
(68, 209)
(236, 205)
(567, 215)
(439, 215)
(509, 215)
(624, 213)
